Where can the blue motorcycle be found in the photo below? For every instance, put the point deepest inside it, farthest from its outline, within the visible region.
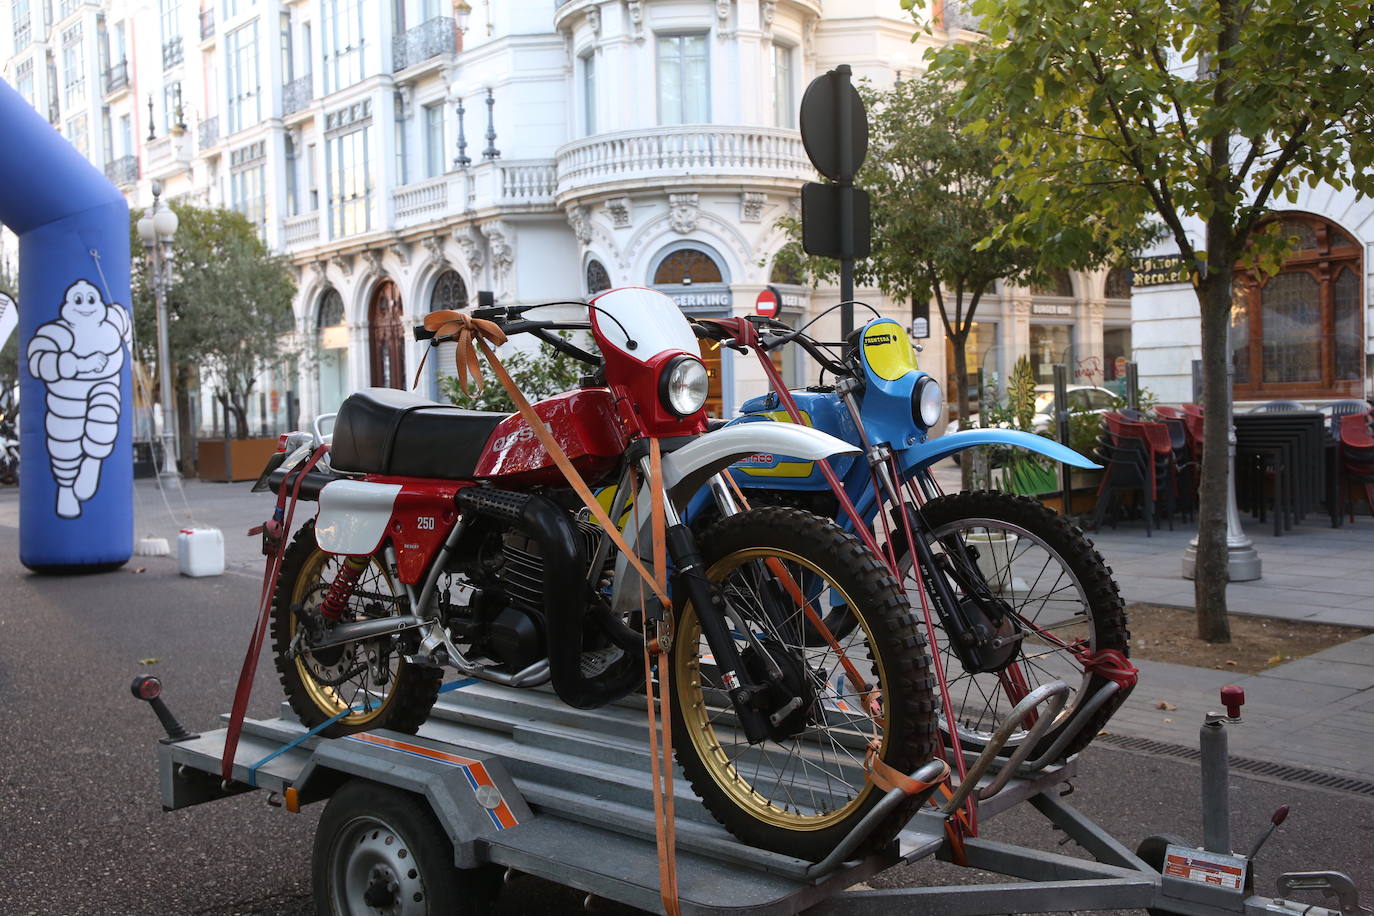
(1014, 595)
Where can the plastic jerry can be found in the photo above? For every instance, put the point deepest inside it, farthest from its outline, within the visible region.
(200, 551)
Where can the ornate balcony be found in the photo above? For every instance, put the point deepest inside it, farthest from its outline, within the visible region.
(207, 24)
(420, 201)
(301, 231)
(122, 171)
(428, 40)
(117, 77)
(297, 94)
(660, 156)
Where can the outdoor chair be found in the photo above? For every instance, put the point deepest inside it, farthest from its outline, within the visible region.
(1341, 409)
(1126, 469)
(1357, 457)
(1277, 407)
(1185, 467)
(1159, 446)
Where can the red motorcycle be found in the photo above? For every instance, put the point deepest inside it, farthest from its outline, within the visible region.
(450, 537)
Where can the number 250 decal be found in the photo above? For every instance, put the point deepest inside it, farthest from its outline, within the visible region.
(425, 523)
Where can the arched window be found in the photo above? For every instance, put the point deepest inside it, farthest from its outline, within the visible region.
(450, 292)
(387, 336)
(1300, 333)
(687, 266)
(331, 310)
(597, 278)
(1118, 283)
(1059, 284)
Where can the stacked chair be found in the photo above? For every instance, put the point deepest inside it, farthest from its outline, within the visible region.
(1283, 464)
(1357, 456)
(1138, 457)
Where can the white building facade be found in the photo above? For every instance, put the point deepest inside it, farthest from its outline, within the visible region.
(1304, 335)
(405, 154)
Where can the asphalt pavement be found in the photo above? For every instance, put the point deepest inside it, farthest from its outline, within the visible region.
(84, 832)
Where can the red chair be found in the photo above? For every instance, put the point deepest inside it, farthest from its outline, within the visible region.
(1357, 455)
(1168, 413)
(1160, 446)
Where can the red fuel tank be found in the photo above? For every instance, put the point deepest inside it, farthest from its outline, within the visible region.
(583, 422)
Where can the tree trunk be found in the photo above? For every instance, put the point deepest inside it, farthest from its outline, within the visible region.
(186, 434)
(240, 414)
(960, 341)
(1210, 578)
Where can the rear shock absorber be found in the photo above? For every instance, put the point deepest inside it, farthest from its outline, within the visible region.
(341, 589)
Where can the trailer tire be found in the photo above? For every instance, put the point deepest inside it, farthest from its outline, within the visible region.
(378, 847)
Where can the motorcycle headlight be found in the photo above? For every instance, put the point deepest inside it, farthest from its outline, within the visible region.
(683, 386)
(927, 400)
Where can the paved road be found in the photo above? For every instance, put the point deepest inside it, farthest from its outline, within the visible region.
(84, 833)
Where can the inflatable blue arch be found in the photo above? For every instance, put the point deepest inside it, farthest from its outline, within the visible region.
(76, 453)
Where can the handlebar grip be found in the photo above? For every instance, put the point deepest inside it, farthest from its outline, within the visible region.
(423, 333)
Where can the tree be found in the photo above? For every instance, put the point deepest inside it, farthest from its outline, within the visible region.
(1189, 110)
(937, 209)
(9, 351)
(537, 374)
(229, 308)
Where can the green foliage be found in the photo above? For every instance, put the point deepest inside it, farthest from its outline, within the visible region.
(537, 375)
(1173, 109)
(1021, 394)
(229, 306)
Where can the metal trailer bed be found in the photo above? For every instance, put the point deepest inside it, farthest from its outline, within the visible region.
(520, 780)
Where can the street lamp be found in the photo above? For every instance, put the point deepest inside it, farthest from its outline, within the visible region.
(156, 228)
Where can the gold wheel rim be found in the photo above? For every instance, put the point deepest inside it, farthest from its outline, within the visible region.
(711, 748)
(325, 698)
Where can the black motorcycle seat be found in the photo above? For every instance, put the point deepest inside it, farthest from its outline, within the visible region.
(387, 431)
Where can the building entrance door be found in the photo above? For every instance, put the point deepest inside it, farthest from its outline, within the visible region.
(386, 336)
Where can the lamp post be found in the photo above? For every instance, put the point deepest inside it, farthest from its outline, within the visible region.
(156, 228)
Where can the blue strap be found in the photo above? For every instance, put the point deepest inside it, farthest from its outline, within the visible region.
(253, 770)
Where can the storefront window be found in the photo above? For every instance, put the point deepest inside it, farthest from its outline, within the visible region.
(331, 340)
(982, 340)
(1300, 333)
(1116, 352)
(1050, 344)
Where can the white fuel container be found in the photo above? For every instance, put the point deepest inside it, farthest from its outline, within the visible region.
(200, 551)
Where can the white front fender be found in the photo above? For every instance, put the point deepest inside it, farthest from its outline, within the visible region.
(687, 469)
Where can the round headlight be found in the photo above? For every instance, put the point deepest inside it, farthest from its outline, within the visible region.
(684, 386)
(927, 400)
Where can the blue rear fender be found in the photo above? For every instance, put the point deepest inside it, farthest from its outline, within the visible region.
(922, 455)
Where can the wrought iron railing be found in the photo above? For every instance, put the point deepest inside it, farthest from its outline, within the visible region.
(117, 77)
(296, 95)
(207, 24)
(427, 40)
(172, 53)
(209, 132)
(667, 153)
(123, 170)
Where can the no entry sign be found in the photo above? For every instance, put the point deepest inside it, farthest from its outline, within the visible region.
(767, 302)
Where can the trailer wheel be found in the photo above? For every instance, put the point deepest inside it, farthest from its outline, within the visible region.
(380, 850)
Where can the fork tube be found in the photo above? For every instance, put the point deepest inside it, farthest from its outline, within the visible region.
(690, 574)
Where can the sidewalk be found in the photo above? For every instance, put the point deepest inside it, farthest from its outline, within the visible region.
(1315, 712)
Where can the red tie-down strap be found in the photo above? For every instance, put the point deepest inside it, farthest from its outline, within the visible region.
(1113, 665)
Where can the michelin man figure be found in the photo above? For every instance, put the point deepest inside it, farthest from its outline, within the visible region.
(79, 356)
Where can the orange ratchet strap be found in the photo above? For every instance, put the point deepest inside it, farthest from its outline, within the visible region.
(470, 334)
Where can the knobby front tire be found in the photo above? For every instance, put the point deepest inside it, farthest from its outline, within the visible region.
(1056, 585)
(801, 792)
